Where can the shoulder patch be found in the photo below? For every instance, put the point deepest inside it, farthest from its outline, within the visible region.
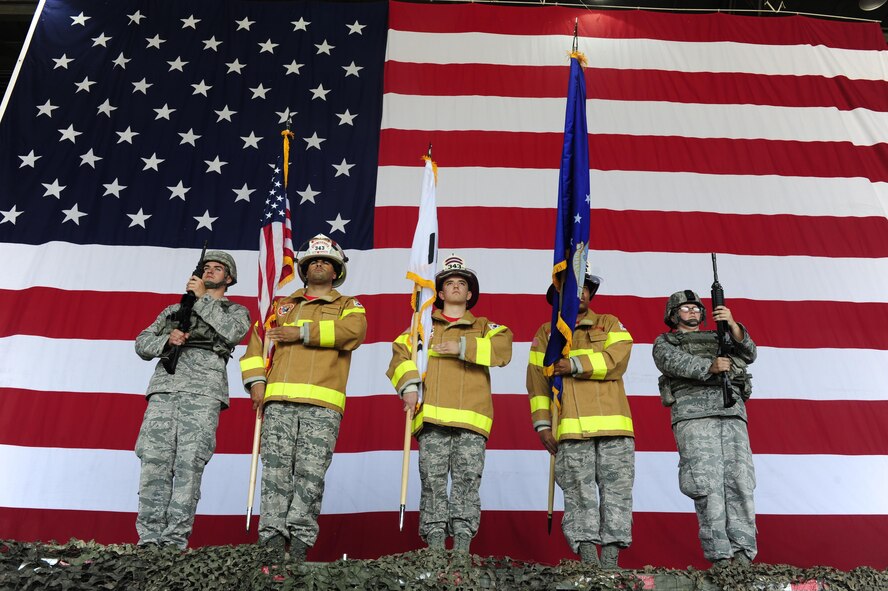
(492, 326)
(357, 304)
(284, 309)
(624, 328)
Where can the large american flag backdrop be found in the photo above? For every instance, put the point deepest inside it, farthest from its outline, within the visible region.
(137, 130)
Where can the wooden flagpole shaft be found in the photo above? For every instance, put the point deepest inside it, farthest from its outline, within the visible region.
(551, 506)
(405, 468)
(254, 464)
(408, 424)
(254, 458)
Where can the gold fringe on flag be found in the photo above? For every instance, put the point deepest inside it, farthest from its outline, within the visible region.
(287, 135)
(580, 56)
(434, 168)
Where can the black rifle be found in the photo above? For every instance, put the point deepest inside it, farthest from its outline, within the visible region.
(725, 343)
(182, 317)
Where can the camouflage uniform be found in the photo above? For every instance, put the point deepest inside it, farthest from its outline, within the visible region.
(178, 433)
(595, 463)
(715, 462)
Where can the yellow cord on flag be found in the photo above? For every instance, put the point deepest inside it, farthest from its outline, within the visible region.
(287, 135)
(434, 168)
(580, 57)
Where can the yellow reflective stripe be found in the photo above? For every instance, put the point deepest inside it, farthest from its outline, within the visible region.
(404, 339)
(540, 403)
(599, 365)
(496, 330)
(298, 323)
(456, 415)
(433, 353)
(352, 311)
(592, 425)
(327, 330)
(482, 351)
(578, 352)
(309, 391)
(536, 358)
(403, 368)
(617, 337)
(417, 419)
(249, 363)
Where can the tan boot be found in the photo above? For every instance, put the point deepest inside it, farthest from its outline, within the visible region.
(589, 554)
(609, 555)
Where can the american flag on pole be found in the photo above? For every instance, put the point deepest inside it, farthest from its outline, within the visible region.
(762, 139)
(276, 262)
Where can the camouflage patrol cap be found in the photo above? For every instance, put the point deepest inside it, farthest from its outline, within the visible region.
(220, 256)
(677, 300)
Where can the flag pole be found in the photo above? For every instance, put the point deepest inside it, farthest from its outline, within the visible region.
(408, 421)
(551, 506)
(257, 425)
(550, 509)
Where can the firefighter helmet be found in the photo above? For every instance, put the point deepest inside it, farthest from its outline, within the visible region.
(455, 265)
(593, 282)
(323, 247)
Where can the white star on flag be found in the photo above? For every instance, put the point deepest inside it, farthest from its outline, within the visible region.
(178, 191)
(10, 215)
(343, 168)
(338, 225)
(307, 195)
(205, 221)
(113, 188)
(243, 194)
(138, 219)
(177, 64)
(126, 135)
(73, 215)
(29, 159)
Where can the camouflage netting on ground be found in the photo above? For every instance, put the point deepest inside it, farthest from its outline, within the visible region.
(89, 566)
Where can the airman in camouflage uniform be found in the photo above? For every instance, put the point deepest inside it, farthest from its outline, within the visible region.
(178, 433)
(313, 333)
(715, 462)
(456, 414)
(594, 446)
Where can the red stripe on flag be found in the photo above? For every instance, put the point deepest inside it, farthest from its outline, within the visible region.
(641, 153)
(776, 426)
(773, 323)
(728, 88)
(643, 231)
(617, 24)
(803, 540)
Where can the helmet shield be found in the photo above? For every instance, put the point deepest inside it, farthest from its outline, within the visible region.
(322, 247)
(455, 265)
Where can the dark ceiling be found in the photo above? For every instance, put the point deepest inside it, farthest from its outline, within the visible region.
(15, 15)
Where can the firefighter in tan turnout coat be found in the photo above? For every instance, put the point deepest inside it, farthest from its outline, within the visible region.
(594, 446)
(303, 393)
(454, 419)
